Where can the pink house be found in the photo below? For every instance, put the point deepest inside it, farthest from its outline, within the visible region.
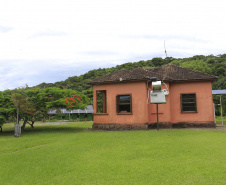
(125, 97)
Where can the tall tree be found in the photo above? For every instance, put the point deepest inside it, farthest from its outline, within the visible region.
(55, 98)
(45, 100)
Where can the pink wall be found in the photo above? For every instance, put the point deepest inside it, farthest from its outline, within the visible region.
(139, 105)
(204, 100)
(146, 113)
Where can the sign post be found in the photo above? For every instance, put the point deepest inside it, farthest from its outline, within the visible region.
(157, 116)
(158, 95)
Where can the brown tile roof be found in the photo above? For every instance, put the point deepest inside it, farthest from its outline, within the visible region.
(169, 72)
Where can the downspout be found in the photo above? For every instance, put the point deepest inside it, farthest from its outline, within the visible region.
(148, 100)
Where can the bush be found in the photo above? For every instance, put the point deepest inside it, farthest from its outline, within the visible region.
(2, 120)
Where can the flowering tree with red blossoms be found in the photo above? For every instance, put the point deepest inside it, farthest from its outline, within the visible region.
(72, 101)
(55, 98)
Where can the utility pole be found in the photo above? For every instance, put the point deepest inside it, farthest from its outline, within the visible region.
(157, 109)
(221, 112)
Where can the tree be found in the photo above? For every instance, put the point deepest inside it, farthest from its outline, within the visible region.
(2, 121)
(53, 98)
(4, 112)
(7, 109)
(157, 61)
(45, 100)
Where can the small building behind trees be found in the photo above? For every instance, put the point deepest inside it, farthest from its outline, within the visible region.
(75, 115)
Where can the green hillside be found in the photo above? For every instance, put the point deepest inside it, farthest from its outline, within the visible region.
(215, 65)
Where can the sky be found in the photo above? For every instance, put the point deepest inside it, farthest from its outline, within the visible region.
(51, 40)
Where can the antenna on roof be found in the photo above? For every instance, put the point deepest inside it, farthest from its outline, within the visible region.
(165, 48)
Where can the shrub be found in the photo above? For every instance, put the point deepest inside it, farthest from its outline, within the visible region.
(2, 120)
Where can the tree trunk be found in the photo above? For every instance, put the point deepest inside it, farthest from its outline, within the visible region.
(1, 128)
(24, 123)
(31, 124)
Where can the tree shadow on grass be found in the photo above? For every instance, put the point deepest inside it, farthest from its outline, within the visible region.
(46, 129)
(55, 129)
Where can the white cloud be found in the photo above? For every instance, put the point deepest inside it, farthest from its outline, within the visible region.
(40, 39)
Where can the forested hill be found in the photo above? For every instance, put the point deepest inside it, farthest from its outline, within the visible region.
(215, 65)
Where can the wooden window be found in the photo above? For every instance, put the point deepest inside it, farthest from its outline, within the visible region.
(188, 103)
(124, 103)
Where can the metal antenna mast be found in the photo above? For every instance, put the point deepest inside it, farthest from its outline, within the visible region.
(165, 48)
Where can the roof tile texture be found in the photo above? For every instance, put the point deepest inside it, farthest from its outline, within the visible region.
(169, 72)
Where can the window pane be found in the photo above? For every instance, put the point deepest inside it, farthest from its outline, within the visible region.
(124, 99)
(188, 96)
(124, 103)
(124, 108)
(188, 102)
(189, 107)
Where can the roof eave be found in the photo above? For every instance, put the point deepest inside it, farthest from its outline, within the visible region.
(114, 82)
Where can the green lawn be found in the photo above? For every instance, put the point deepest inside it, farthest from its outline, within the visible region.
(69, 153)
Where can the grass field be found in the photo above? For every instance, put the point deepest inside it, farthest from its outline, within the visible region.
(70, 153)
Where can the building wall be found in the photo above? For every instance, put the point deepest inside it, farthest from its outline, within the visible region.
(170, 113)
(138, 90)
(204, 100)
(142, 113)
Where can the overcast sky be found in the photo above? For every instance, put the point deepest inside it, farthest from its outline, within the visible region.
(51, 40)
